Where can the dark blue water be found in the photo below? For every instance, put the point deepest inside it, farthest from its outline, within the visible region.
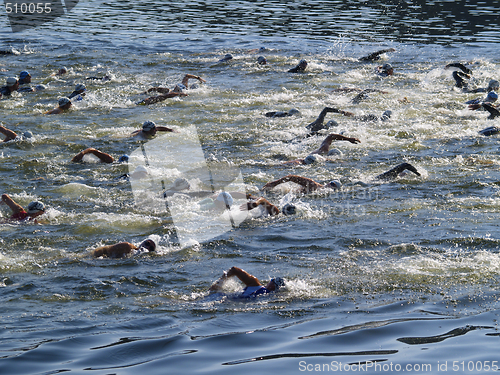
(382, 278)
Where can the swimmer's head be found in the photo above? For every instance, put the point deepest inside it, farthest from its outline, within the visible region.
(331, 123)
(261, 60)
(227, 57)
(181, 184)
(80, 87)
(149, 245)
(386, 115)
(335, 152)
(335, 185)
(224, 198)
(310, 159)
(11, 81)
(64, 102)
(293, 111)
(25, 76)
(289, 209)
(493, 85)
(492, 97)
(276, 284)
(36, 208)
(179, 87)
(148, 126)
(386, 66)
(62, 71)
(123, 159)
(27, 135)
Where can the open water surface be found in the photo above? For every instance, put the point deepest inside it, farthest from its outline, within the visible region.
(382, 278)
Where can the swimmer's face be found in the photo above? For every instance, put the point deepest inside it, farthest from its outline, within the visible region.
(151, 132)
(67, 106)
(271, 286)
(27, 79)
(15, 87)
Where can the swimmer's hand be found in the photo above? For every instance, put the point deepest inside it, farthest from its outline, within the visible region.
(353, 140)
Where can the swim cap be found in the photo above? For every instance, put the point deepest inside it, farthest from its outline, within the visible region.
(261, 60)
(80, 87)
(492, 95)
(225, 198)
(24, 74)
(302, 62)
(40, 87)
(11, 81)
(148, 126)
(493, 84)
(310, 159)
(279, 283)
(289, 209)
(35, 207)
(63, 101)
(335, 184)
(331, 123)
(293, 111)
(28, 134)
(123, 159)
(386, 115)
(181, 184)
(387, 66)
(335, 151)
(149, 245)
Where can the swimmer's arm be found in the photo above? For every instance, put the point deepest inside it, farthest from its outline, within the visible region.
(165, 129)
(244, 276)
(270, 208)
(375, 55)
(307, 183)
(12, 205)
(9, 134)
(163, 90)
(186, 78)
(459, 66)
(117, 250)
(106, 158)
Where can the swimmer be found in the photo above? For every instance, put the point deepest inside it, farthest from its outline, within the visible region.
(226, 58)
(475, 104)
(64, 104)
(461, 76)
(167, 93)
(261, 60)
(300, 68)
(62, 71)
(24, 77)
(149, 130)
(385, 70)
(11, 85)
(34, 209)
(291, 112)
(78, 92)
(323, 149)
(269, 208)
(104, 79)
(318, 125)
(123, 249)
(494, 113)
(309, 185)
(10, 51)
(253, 286)
(102, 156)
(376, 55)
(370, 117)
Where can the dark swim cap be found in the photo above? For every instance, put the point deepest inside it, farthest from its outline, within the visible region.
(149, 245)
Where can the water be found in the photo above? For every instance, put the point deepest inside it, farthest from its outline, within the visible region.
(400, 275)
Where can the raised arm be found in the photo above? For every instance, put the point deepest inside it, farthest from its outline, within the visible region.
(270, 208)
(325, 145)
(106, 158)
(165, 129)
(376, 55)
(9, 134)
(308, 184)
(117, 250)
(12, 205)
(186, 78)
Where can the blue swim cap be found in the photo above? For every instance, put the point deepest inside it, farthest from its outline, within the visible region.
(492, 95)
(23, 74)
(123, 159)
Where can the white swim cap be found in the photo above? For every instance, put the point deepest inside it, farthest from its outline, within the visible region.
(80, 87)
(335, 152)
(331, 123)
(11, 81)
(181, 184)
(293, 111)
(35, 207)
(279, 283)
(63, 101)
(493, 84)
(386, 66)
(28, 134)
(147, 126)
(225, 197)
(335, 184)
(310, 159)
